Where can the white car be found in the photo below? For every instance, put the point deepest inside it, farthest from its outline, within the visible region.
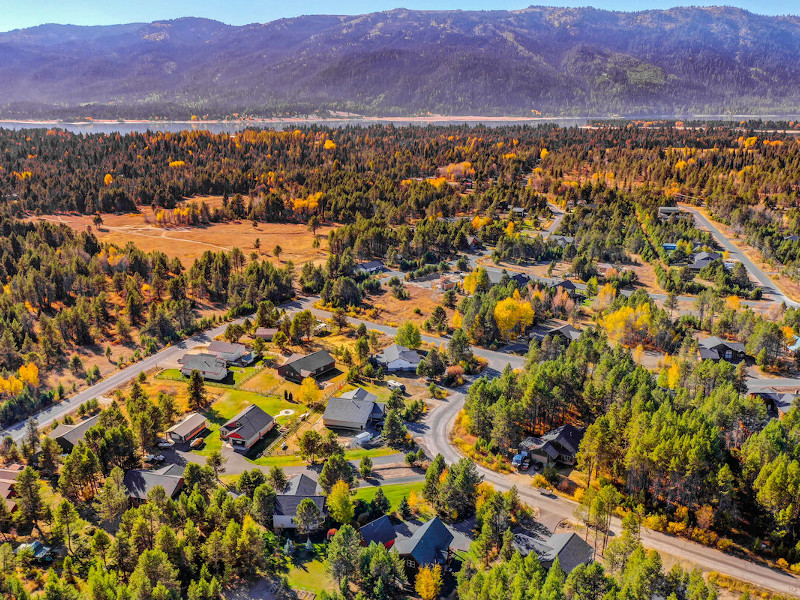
(159, 458)
(165, 444)
(150, 458)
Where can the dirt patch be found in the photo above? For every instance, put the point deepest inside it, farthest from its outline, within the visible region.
(394, 312)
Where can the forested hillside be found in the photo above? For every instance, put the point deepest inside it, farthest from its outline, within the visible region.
(565, 61)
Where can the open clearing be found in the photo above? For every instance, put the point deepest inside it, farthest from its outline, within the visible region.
(189, 243)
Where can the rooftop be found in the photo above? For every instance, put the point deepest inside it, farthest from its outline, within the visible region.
(74, 433)
(248, 422)
(188, 424)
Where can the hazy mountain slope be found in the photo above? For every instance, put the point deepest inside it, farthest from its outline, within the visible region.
(566, 61)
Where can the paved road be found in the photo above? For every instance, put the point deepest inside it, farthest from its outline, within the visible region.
(559, 216)
(554, 508)
(112, 382)
(770, 288)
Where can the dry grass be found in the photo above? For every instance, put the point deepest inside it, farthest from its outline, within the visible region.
(394, 312)
(188, 243)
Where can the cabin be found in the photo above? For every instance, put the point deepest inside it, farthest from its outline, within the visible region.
(298, 489)
(715, 348)
(397, 358)
(353, 410)
(297, 367)
(244, 430)
(68, 436)
(473, 243)
(702, 259)
(266, 333)
(187, 428)
(665, 212)
(208, 365)
(557, 446)
(518, 211)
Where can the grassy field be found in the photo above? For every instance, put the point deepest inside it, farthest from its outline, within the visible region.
(308, 573)
(394, 492)
(236, 377)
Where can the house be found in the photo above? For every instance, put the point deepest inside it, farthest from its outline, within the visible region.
(715, 348)
(187, 428)
(140, 482)
(8, 481)
(398, 358)
(794, 346)
(518, 211)
(40, 552)
(429, 545)
(209, 366)
(564, 284)
(569, 548)
(371, 267)
(557, 446)
(266, 333)
(232, 354)
(562, 240)
(702, 259)
(298, 489)
(68, 436)
(246, 428)
(473, 243)
(353, 410)
(521, 279)
(554, 327)
(380, 531)
(779, 400)
(297, 367)
(665, 212)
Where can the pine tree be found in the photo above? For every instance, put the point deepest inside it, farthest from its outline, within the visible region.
(197, 391)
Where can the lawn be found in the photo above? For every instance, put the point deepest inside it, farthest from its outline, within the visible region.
(381, 391)
(309, 573)
(394, 492)
(233, 401)
(236, 376)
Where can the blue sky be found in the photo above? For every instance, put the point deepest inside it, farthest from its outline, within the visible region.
(26, 13)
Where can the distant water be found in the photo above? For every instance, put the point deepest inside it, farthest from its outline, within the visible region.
(236, 126)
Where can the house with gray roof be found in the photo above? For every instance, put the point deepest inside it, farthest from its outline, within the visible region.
(557, 446)
(370, 267)
(569, 548)
(68, 436)
(248, 427)
(298, 489)
(187, 428)
(353, 410)
(232, 354)
(702, 259)
(779, 399)
(428, 545)
(554, 327)
(297, 367)
(210, 366)
(397, 358)
(140, 482)
(715, 348)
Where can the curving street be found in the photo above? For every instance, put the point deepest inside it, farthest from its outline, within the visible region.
(552, 509)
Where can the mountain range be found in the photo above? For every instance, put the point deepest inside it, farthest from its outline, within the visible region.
(557, 61)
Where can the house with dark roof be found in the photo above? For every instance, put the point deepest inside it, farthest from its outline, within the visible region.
(473, 243)
(68, 436)
(370, 267)
(518, 211)
(665, 212)
(140, 482)
(702, 259)
(428, 545)
(246, 428)
(397, 358)
(715, 348)
(556, 328)
(210, 366)
(564, 284)
(297, 367)
(232, 354)
(298, 489)
(569, 548)
(380, 531)
(562, 240)
(779, 399)
(521, 279)
(353, 410)
(557, 446)
(187, 428)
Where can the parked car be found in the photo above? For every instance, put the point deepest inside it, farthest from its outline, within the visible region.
(165, 444)
(150, 458)
(159, 458)
(197, 442)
